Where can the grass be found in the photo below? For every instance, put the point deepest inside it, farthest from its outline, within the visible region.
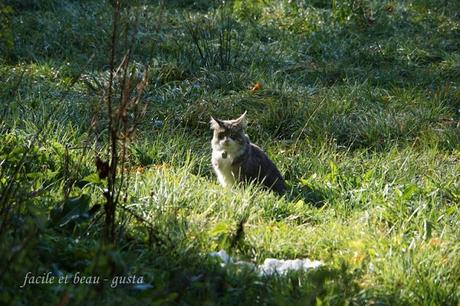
(359, 107)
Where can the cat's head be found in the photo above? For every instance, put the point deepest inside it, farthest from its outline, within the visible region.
(229, 134)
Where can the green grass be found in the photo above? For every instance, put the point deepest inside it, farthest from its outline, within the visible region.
(359, 108)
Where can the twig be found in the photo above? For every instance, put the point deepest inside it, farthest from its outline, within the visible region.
(112, 136)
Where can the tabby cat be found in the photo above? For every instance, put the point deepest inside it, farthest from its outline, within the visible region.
(236, 159)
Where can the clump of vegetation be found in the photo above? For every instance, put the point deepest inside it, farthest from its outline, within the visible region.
(357, 103)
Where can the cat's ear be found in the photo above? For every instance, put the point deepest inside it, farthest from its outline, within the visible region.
(215, 123)
(241, 121)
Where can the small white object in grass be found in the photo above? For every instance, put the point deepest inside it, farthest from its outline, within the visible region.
(157, 123)
(224, 257)
(271, 265)
(282, 266)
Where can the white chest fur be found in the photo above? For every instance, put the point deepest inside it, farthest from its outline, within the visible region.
(222, 164)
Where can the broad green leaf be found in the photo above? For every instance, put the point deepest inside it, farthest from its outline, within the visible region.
(92, 178)
(72, 209)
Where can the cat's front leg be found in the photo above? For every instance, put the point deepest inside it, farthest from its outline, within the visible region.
(223, 172)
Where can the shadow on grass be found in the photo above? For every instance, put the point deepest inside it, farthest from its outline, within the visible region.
(179, 277)
(173, 272)
(310, 195)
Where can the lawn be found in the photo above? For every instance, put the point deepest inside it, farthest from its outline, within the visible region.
(356, 101)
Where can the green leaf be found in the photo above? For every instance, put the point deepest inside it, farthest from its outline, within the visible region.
(93, 178)
(72, 210)
(303, 182)
(409, 192)
(220, 228)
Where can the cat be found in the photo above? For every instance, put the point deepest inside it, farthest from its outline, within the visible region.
(236, 159)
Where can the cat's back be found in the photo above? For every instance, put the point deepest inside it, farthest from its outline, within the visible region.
(258, 166)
